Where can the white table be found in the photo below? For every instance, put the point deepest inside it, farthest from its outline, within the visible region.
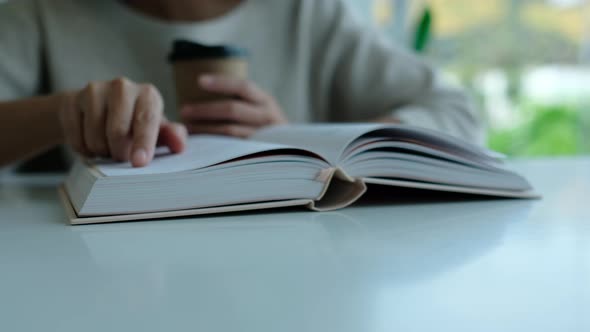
(481, 265)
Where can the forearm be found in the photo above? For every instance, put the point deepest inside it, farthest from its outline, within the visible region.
(28, 127)
(448, 110)
(458, 121)
(372, 79)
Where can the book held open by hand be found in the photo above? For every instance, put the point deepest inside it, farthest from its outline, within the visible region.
(322, 167)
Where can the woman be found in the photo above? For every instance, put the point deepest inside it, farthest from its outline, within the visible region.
(93, 74)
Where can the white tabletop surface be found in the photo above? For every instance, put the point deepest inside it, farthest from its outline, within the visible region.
(429, 265)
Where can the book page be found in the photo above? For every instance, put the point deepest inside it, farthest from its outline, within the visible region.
(201, 151)
(335, 141)
(327, 140)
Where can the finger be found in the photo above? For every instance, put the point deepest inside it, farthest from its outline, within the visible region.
(71, 120)
(93, 107)
(173, 136)
(226, 111)
(222, 129)
(147, 118)
(121, 103)
(234, 87)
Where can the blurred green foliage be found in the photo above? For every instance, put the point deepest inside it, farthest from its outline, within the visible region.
(538, 130)
(422, 35)
(555, 130)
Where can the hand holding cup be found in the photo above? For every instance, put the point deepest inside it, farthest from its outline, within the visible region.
(244, 109)
(215, 95)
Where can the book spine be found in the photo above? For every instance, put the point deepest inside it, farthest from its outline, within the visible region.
(341, 190)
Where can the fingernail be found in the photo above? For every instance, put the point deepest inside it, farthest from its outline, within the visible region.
(183, 130)
(206, 80)
(140, 157)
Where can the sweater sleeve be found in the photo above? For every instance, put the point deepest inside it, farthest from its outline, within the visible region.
(368, 76)
(20, 50)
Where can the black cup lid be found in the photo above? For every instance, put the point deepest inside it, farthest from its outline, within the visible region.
(184, 50)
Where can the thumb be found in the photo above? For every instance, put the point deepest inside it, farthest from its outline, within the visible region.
(173, 135)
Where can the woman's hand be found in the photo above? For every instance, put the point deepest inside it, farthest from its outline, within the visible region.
(246, 109)
(119, 119)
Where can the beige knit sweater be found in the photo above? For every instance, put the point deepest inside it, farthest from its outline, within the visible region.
(312, 55)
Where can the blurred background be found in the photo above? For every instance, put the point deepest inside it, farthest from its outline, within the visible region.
(526, 61)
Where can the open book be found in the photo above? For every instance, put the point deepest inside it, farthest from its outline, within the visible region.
(322, 167)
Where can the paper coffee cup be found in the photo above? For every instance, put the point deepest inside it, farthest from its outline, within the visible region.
(191, 60)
